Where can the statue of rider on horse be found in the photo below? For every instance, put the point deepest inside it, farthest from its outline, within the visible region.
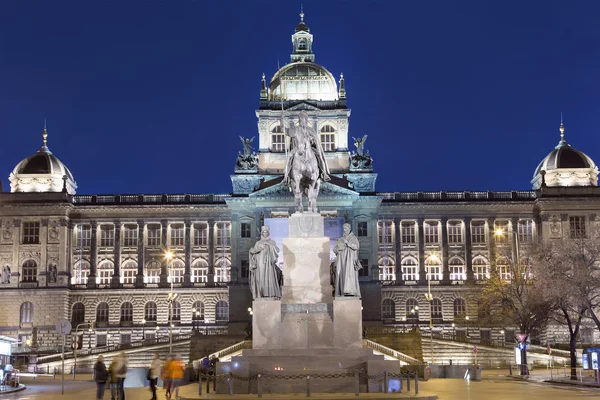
(305, 165)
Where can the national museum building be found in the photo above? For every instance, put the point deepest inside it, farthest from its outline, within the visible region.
(101, 258)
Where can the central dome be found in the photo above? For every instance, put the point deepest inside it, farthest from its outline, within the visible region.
(303, 81)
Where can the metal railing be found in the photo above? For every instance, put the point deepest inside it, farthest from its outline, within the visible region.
(245, 344)
(458, 196)
(149, 199)
(391, 352)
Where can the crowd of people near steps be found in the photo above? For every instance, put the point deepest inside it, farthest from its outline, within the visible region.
(171, 371)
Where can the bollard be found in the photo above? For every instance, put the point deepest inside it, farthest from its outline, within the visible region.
(307, 385)
(200, 384)
(356, 383)
(407, 383)
(400, 381)
(510, 369)
(258, 388)
(385, 381)
(215, 381)
(416, 383)
(230, 379)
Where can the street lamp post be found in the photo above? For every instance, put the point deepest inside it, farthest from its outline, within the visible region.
(91, 325)
(170, 299)
(453, 330)
(429, 298)
(467, 324)
(194, 319)
(143, 329)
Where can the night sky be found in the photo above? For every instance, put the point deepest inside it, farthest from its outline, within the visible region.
(150, 97)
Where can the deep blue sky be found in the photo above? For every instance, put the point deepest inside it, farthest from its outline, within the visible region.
(150, 97)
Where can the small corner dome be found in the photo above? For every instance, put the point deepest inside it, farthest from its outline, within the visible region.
(565, 166)
(42, 172)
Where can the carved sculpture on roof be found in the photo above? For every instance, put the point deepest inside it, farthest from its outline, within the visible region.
(360, 160)
(306, 166)
(248, 160)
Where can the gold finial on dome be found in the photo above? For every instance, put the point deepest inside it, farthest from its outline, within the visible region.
(562, 129)
(45, 135)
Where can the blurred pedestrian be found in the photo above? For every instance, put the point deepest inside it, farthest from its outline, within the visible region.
(113, 379)
(101, 377)
(121, 373)
(153, 374)
(177, 372)
(167, 376)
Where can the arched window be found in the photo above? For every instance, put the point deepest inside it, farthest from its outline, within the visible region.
(176, 271)
(127, 312)
(152, 274)
(81, 272)
(150, 311)
(433, 268)
(436, 310)
(198, 311)
(410, 269)
(388, 309)
(29, 271)
(78, 314)
(175, 310)
(457, 269)
(26, 313)
(128, 272)
(222, 311)
(481, 269)
(503, 269)
(200, 271)
(102, 312)
(222, 270)
(277, 140)
(104, 273)
(460, 308)
(328, 138)
(412, 310)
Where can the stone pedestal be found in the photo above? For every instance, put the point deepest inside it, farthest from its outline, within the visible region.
(347, 322)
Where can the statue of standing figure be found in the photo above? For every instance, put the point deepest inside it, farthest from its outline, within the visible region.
(6, 274)
(265, 275)
(347, 264)
(305, 166)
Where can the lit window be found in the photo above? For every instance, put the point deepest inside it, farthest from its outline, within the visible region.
(198, 311)
(430, 230)
(457, 269)
(460, 308)
(481, 269)
(177, 232)
(408, 233)
(246, 230)
(328, 138)
(81, 272)
(410, 269)
(200, 235)
(31, 233)
(502, 268)
(176, 271)
(83, 236)
(277, 140)
(386, 230)
(503, 227)
(29, 271)
(455, 232)
(154, 235)
(107, 236)
(526, 231)
(222, 271)
(223, 234)
(388, 309)
(363, 228)
(222, 311)
(105, 272)
(412, 310)
(200, 271)
(433, 269)
(577, 227)
(130, 238)
(129, 272)
(436, 310)
(478, 232)
(387, 269)
(27, 312)
(153, 272)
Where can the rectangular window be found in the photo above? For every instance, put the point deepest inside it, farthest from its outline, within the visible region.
(177, 235)
(107, 236)
(100, 340)
(501, 226)
(455, 232)
(525, 231)
(223, 236)
(328, 141)
(577, 227)
(478, 232)
(408, 233)
(125, 338)
(386, 228)
(154, 235)
(245, 264)
(83, 236)
(104, 276)
(387, 270)
(246, 230)
(151, 336)
(363, 228)
(177, 275)
(200, 274)
(430, 229)
(278, 142)
(130, 238)
(128, 275)
(200, 235)
(364, 271)
(153, 275)
(31, 232)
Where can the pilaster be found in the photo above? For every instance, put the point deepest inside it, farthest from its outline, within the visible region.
(139, 278)
(444, 243)
(468, 250)
(116, 277)
(164, 275)
(398, 251)
(187, 275)
(211, 253)
(491, 242)
(514, 222)
(91, 282)
(421, 235)
(43, 273)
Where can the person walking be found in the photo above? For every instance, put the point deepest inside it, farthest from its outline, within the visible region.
(177, 371)
(113, 379)
(167, 376)
(121, 372)
(101, 377)
(153, 374)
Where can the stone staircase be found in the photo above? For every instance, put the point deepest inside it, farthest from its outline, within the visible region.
(408, 343)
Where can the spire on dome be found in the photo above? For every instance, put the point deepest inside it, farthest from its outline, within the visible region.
(302, 41)
(342, 92)
(562, 142)
(263, 87)
(45, 137)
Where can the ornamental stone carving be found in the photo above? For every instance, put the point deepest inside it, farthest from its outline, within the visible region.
(360, 160)
(247, 160)
(5, 278)
(555, 226)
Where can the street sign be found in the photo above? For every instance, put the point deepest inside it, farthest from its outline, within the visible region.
(475, 350)
(522, 346)
(521, 337)
(63, 327)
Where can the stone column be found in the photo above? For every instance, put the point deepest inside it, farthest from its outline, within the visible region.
(211, 253)
(491, 242)
(468, 250)
(164, 275)
(91, 282)
(116, 277)
(421, 235)
(43, 273)
(444, 244)
(187, 275)
(398, 255)
(514, 239)
(139, 278)
(374, 268)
